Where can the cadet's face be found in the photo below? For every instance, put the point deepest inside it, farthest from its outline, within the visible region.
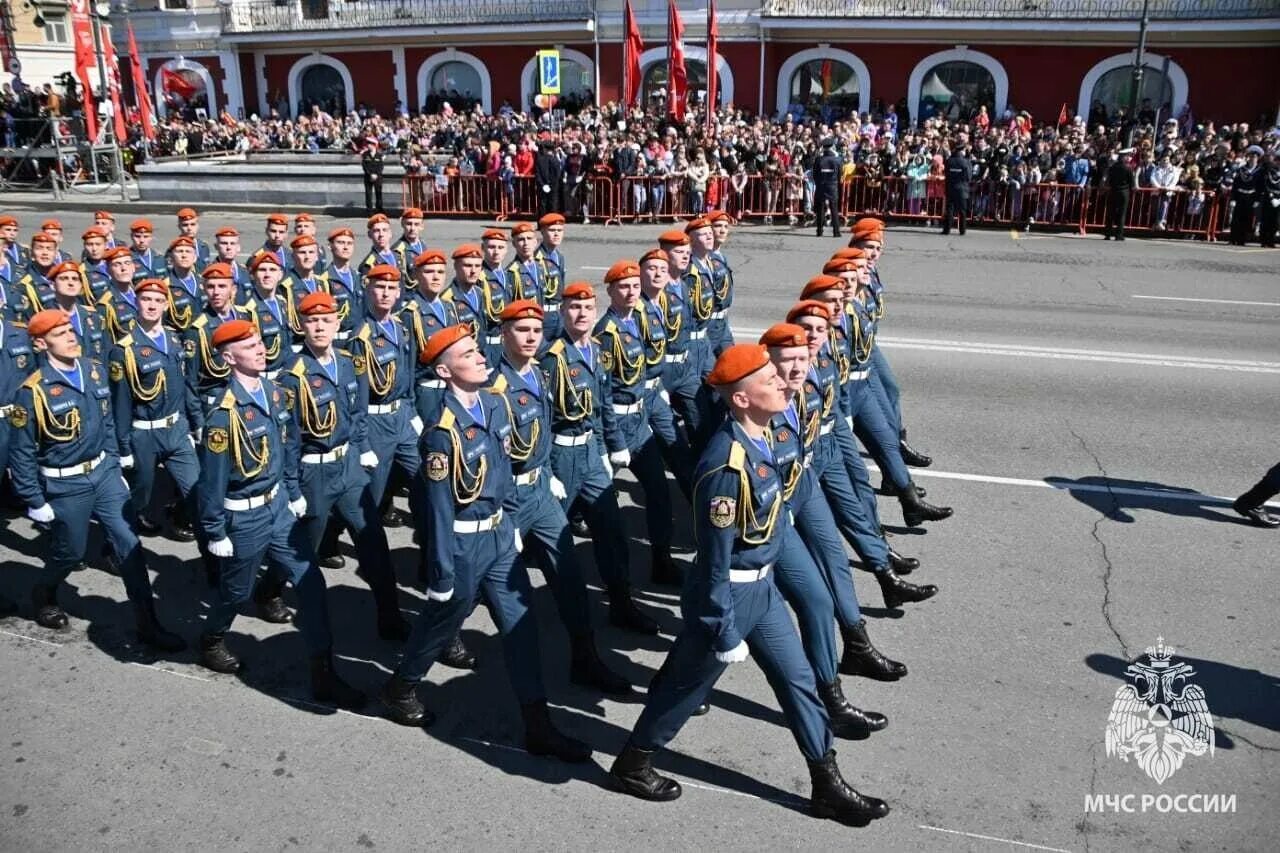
(552, 236)
(61, 343)
(141, 240)
(432, 278)
(720, 228)
(763, 391)
(276, 232)
(55, 233)
(625, 293)
(467, 269)
(67, 284)
(579, 315)
(319, 329)
(495, 251)
(94, 247)
(184, 257)
(249, 355)
(704, 239)
(654, 275)
(521, 338)
(9, 233)
(217, 291)
(106, 225)
(850, 280)
(864, 275)
(526, 244)
(679, 258)
(412, 228)
(267, 276)
(792, 364)
(44, 253)
(834, 300)
(305, 228)
(228, 248)
(151, 306)
(122, 270)
(305, 257)
(465, 364)
(815, 332)
(343, 247)
(189, 227)
(384, 294)
(380, 234)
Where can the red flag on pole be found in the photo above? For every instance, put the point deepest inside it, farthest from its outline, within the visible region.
(1063, 116)
(632, 47)
(141, 99)
(172, 81)
(85, 61)
(826, 77)
(713, 82)
(677, 77)
(113, 82)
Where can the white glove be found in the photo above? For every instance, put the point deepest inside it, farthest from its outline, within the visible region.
(849, 420)
(546, 188)
(298, 507)
(519, 542)
(417, 425)
(607, 467)
(199, 435)
(368, 459)
(126, 462)
(620, 458)
(666, 398)
(191, 438)
(737, 654)
(557, 489)
(222, 548)
(42, 514)
(432, 595)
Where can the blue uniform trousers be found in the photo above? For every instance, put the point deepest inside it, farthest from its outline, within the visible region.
(877, 434)
(859, 476)
(672, 443)
(100, 494)
(847, 501)
(548, 544)
(719, 335)
(818, 529)
(585, 479)
(393, 440)
(646, 464)
(482, 563)
(805, 589)
(172, 448)
(691, 670)
(5, 436)
(886, 385)
(271, 532)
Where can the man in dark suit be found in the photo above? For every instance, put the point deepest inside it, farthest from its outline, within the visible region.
(959, 172)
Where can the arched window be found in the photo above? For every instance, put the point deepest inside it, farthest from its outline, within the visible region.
(826, 88)
(456, 82)
(577, 85)
(956, 90)
(653, 90)
(184, 90)
(322, 86)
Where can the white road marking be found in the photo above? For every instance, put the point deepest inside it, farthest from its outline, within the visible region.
(32, 639)
(1215, 301)
(597, 269)
(168, 671)
(992, 838)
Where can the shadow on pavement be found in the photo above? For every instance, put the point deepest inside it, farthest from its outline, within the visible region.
(1108, 497)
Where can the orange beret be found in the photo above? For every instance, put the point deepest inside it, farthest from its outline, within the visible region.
(46, 321)
(867, 229)
(226, 231)
(578, 290)
(411, 213)
(850, 253)
(784, 335)
(654, 254)
(835, 266)
(43, 237)
(467, 250)
(341, 232)
(673, 238)
(494, 234)
(104, 214)
(522, 309)
(187, 213)
(808, 308)
(737, 362)
(382, 272)
(277, 219)
(621, 270)
(66, 266)
(115, 253)
(375, 219)
(261, 258)
(441, 341)
(302, 241)
(719, 215)
(303, 217)
(696, 223)
(522, 228)
(51, 225)
(182, 241)
(92, 232)
(155, 284)
(140, 225)
(318, 303)
(550, 219)
(6, 220)
(430, 256)
(220, 269)
(820, 284)
(232, 331)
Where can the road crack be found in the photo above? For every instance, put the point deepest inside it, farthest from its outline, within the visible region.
(1102, 546)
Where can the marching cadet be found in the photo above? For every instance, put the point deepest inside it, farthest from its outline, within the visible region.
(17, 362)
(868, 235)
(524, 272)
(730, 606)
(795, 442)
(93, 262)
(495, 289)
(382, 350)
(553, 269)
(380, 253)
(409, 244)
(53, 228)
(34, 284)
(470, 496)
(326, 400)
(471, 296)
(425, 313)
(8, 275)
(304, 225)
(65, 464)
(632, 443)
(68, 297)
(227, 245)
(119, 302)
(699, 285)
(273, 312)
(207, 374)
(106, 221)
(719, 332)
(651, 311)
(147, 262)
(250, 504)
(156, 415)
(542, 530)
(185, 297)
(302, 280)
(189, 226)
(686, 346)
(344, 282)
(277, 232)
(10, 244)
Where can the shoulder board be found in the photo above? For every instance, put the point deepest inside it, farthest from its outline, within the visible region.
(298, 368)
(499, 385)
(447, 296)
(557, 347)
(446, 419)
(609, 327)
(126, 341)
(228, 400)
(341, 353)
(411, 305)
(364, 334)
(514, 265)
(32, 381)
(200, 322)
(737, 457)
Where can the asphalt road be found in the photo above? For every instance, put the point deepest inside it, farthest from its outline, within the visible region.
(1084, 402)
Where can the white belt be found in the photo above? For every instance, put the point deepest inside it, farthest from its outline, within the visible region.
(528, 478)
(825, 429)
(241, 504)
(384, 408)
(331, 456)
(697, 334)
(481, 526)
(719, 315)
(571, 440)
(675, 357)
(633, 409)
(431, 383)
(858, 375)
(74, 470)
(163, 423)
(749, 575)
(650, 384)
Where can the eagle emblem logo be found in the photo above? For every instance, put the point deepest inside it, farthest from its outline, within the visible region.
(1160, 718)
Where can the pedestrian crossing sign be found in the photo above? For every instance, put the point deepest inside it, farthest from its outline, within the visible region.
(549, 72)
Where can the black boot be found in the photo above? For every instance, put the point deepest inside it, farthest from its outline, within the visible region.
(329, 688)
(542, 738)
(457, 655)
(902, 565)
(1257, 515)
(401, 699)
(833, 799)
(271, 607)
(623, 612)
(393, 517)
(152, 633)
(898, 592)
(180, 527)
(915, 511)
(847, 721)
(578, 525)
(702, 710)
(913, 457)
(588, 670)
(8, 606)
(392, 626)
(331, 561)
(632, 773)
(215, 655)
(147, 527)
(862, 658)
(48, 613)
(665, 572)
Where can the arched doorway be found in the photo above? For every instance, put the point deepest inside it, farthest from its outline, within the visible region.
(322, 86)
(653, 89)
(823, 88)
(577, 84)
(455, 82)
(1106, 88)
(184, 87)
(956, 90)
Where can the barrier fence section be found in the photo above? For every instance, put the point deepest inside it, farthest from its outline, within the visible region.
(768, 198)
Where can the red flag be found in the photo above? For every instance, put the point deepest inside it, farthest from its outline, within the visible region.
(172, 81)
(826, 77)
(113, 81)
(7, 50)
(713, 82)
(83, 37)
(677, 77)
(140, 97)
(1063, 116)
(632, 47)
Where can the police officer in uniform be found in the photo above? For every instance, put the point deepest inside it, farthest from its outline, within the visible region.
(826, 188)
(959, 174)
(1246, 185)
(731, 608)
(65, 464)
